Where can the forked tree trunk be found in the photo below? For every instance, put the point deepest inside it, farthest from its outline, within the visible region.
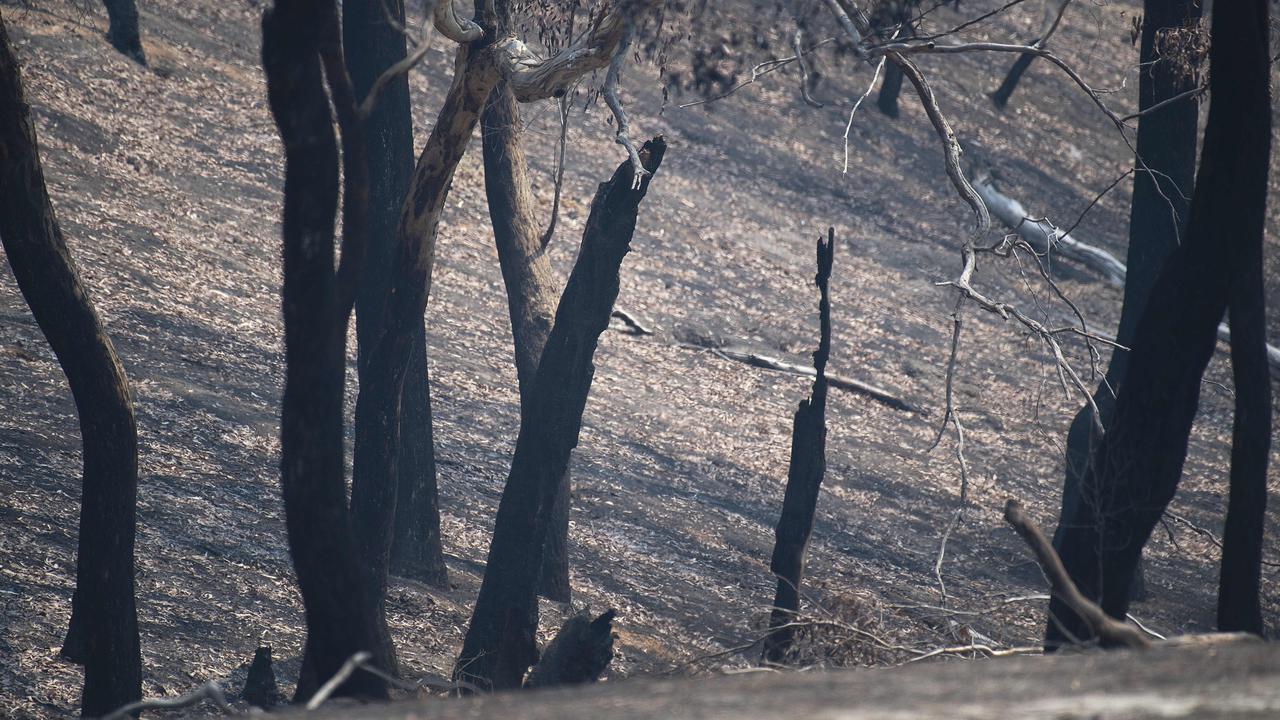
(372, 45)
(530, 293)
(339, 610)
(1162, 189)
(378, 406)
(1140, 460)
(122, 31)
(804, 478)
(47, 277)
(500, 644)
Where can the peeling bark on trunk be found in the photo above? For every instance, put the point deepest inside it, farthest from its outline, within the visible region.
(1140, 459)
(804, 478)
(530, 293)
(50, 283)
(378, 406)
(339, 612)
(373, 45)
(1166, 142)
(500, 647)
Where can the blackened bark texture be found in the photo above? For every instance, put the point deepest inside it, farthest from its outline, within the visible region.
(1002, 94)
(500, 645)
(1053, 15)
(578, 654)
(530, 293)
(1238, 584)
(378, 406)
(804, 478)
(1140, 458)
(372, 46)
(50, 283)
(899, 17)
(1162, 188)
(339, 611)
(122, 30)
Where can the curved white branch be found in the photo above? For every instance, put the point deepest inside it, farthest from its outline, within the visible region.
(452, 25)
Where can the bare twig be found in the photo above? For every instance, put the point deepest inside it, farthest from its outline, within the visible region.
(849, 126)
(1103, 625)
(559, 176)
(210, 691)
(610, 92)
(348, 668)
(796, 42)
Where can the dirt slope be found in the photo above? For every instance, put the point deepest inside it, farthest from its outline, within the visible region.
(168, 187)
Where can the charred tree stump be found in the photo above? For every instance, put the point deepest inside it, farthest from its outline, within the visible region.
(1139, 462)
(804, 478)
(339, 611)
(122, 31)
(105, 619)
(499, 647)
(578, 654)
(531, 288)
(260, 688)
(373, 44)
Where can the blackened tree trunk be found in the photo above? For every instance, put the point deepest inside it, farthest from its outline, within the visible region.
(378, 406)
(891, 86)
(500, 644)
(339, 610)
(122, 32)
(50, 283)
(1053, 15)
(530, 293)
(1162, 188)
(1139, 461)
(372, 46)
(804, 478)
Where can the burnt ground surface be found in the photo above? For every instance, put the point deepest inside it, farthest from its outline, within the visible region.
(167, 183)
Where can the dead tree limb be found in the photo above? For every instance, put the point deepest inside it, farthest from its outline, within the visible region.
(210, 691)
(875, 392)
(499, 646)
(1107, 628)
(804, 477)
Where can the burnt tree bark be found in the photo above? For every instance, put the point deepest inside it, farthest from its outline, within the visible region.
(1139, 461)
(1053, 15)
(372, 46)
(122, 29)
(1162, 187)
(500, 646)
(106, 621)
(900, 12)
(378, 406)
(339, 610)
(531, 300)
(804, 478)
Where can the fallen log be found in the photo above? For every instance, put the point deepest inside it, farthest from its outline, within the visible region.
(874, 392)
(1042, 236)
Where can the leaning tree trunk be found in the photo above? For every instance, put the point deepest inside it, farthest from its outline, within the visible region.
(500, 645)
(1139, 461)
(47, 277)
(373, 45)
(530, 293)
(1053, 16)
(122, 31)
(1162, 188)
(804, 478)
(339, 611)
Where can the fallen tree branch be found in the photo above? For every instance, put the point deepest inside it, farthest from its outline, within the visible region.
(210, 691)
(878, 394)
(1107, 628)
(1042, 236)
